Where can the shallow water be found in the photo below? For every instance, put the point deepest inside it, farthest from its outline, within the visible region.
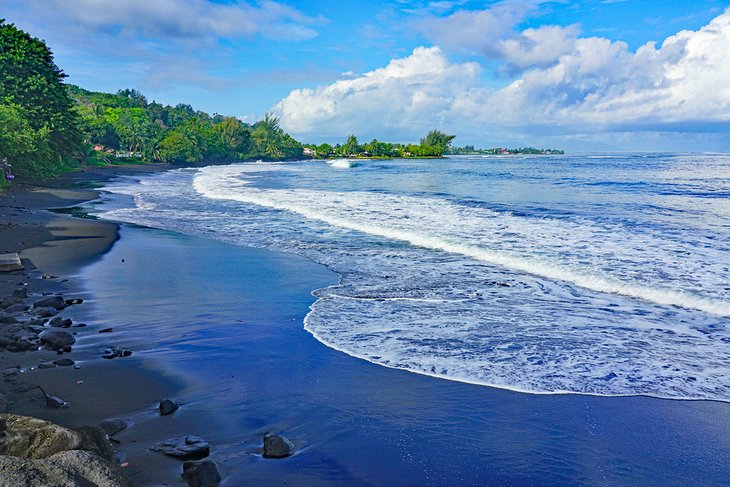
(228, 319)
(593, 274)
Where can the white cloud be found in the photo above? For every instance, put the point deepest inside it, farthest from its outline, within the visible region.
(414, 93)
(595, 85)
(603, 83)
(177, 19)
(492, 33)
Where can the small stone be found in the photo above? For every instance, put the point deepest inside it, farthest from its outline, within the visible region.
(60, 322)
(11, 372)
(21, 293)
(46, 312)
(46, 365)
(56, 339)
(64, 362)
(106, 330)
(67, 349)
(50, 302)
(113, 426)
(114, 352)
(167, 407)
(22, 345)
(201, 474)
(186, 447)
(71, 302)
(276, 446)
(17, 308)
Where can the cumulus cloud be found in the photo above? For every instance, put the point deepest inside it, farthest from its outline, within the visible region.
(414, 92)
(492, 33)
(603, 83)
(594, 85)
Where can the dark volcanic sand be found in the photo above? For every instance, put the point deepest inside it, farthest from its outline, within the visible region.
(56, 244)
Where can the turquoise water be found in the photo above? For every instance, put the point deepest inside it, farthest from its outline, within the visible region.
(450, 270)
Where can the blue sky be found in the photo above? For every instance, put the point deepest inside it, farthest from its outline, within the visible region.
(571, 74)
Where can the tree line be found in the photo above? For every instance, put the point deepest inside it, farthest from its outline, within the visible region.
(126, 125)
(434, 144)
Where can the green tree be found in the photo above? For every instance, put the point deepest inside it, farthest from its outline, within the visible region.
(436, 143)
(32, 86)
(351, 146)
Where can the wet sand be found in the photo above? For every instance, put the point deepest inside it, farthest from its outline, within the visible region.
(54, 246)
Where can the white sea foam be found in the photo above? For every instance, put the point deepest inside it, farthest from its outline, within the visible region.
(341, 163)
(437, 225)
(459, 291)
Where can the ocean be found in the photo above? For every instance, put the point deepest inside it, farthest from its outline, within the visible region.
(528, 294)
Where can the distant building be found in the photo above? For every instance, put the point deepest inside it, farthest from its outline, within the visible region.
(310, 152)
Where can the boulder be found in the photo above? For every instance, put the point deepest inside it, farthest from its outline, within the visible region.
(56, 339)
(64, 362)
(50, 302)
(185, 447)
(113, 426)
(46, 365)
(10, 262)
(201, 474)
(167, 407)
(73, 468)
(27, 437)
(276, 446)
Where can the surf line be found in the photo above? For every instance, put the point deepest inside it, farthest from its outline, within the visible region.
(216, 190)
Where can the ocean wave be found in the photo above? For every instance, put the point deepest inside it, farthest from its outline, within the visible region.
(467, 293)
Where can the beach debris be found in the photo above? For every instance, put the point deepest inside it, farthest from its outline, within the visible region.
(53, 402)
(201, 474)
(113, 352)
(113, 426)
(277, 446)
(167, 407)
(56, 339)
(64, 362)
(106, 330)
(188, 447)
(50, 302)
(60, 322)
(10, 262)
(73, 301)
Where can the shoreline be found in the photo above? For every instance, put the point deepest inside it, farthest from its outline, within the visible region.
(54, 247)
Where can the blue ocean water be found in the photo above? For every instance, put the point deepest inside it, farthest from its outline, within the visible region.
(591, 274)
